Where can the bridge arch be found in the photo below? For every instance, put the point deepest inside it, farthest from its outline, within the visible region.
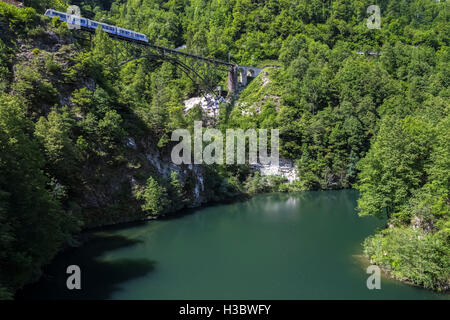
(189, 71)
(242, 71)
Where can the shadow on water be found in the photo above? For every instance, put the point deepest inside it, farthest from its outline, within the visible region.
(239, 198)
(99, 279)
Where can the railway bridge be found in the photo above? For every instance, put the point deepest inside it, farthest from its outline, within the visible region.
(199, 68)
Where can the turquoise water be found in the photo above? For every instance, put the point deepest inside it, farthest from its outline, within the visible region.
(275, 246)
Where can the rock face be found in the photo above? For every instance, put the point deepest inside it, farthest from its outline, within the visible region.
(165, 167)
(105, 188)
(422, 223)
(265, 79)
(285, 169)
(208, 103)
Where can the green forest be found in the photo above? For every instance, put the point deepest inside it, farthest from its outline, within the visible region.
(356, 108)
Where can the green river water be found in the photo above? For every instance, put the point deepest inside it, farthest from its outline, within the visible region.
(275, 246)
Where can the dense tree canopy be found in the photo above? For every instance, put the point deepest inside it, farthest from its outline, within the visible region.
(356, 107)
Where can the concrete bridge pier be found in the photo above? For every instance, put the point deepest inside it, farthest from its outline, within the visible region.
(232, 78)
(243, 76)
(243, 72)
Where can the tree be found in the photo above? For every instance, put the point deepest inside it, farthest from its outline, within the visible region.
(395, 165)
(104, 54)
(153, 196)
(33, 226)
(41, 5)
(176, 191)
(54, 134)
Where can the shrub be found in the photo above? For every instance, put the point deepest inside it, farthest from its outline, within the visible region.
(410, 254)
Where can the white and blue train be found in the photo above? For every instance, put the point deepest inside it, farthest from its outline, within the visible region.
(83, 22)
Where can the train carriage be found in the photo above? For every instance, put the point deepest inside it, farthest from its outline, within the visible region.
(108, 28)
(125, 33)
(141, 37)
(91, 24)
(79, 21)
(53, 13)
(72, 19)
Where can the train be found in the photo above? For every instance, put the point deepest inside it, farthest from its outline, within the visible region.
(91, 24)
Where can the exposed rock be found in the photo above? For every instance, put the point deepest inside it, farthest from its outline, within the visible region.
(264, 78)
(421, 223)
(285, 169)
(208, 104)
